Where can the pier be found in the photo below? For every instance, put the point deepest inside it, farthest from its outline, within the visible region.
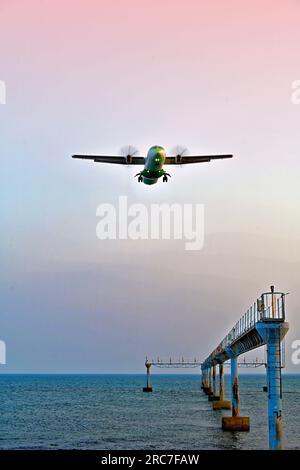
(262, 325)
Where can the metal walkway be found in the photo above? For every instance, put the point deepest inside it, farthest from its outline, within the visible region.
(263, 324)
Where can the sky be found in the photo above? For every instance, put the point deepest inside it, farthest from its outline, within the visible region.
(93, 76)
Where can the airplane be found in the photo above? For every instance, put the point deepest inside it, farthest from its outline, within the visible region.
(153, 163)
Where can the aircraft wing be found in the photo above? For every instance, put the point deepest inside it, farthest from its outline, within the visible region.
(184, 159)
(117, 159)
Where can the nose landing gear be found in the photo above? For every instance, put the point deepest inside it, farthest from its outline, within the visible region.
(165, 177)
(140, 177)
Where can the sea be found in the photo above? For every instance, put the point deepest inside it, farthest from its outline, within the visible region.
(111, 412)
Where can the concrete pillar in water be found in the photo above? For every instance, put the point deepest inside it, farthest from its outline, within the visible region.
(148, 387)
(221, 404)
(210, 392)
(202, 379)
(214, 396)
(273, 332)
(275, 391)
(235, 422)
(206, 381)
(234, 386)
(221, 378)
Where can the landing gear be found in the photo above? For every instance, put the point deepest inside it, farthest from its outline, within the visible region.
(165, 177)
(140, 177)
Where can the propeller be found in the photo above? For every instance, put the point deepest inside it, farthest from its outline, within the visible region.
(179, 151)
(128, 151)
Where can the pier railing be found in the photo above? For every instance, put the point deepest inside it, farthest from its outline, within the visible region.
(269, 307)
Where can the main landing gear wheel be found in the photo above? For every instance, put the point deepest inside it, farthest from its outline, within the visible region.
(140, 179)
(165, 179)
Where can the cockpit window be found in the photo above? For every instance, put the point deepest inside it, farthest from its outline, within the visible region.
(157, 147)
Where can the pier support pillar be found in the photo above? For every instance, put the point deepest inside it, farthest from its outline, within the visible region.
(202, 379)
(273, 332)
(207, 388)
(148, 387)
(234, 386)
(221, 404)
(235, 422)
(214, 396)
(209, 391)
(221, 379)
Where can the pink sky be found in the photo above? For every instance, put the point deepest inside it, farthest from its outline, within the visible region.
(92, 76)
